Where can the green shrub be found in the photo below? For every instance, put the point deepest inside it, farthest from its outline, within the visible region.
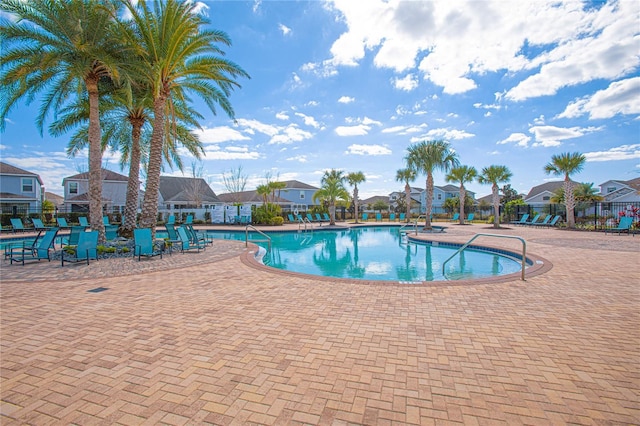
(277, 221)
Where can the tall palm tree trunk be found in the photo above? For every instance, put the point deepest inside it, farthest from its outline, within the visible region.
(407, 197)
(332, 213)
(133, 187)
(150, 203)
(355, 201)
(427, 222)
(570, 202)
(496, 205)
(463, 195)
(95, 159)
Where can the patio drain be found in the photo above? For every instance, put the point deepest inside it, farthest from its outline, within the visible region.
(97, 290)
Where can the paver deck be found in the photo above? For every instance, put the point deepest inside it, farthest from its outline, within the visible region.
(209, 338)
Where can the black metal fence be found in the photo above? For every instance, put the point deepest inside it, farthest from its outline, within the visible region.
(593, 215)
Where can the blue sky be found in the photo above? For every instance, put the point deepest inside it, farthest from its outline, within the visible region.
(350, 85)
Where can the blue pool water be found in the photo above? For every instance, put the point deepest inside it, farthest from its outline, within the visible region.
(375, 253)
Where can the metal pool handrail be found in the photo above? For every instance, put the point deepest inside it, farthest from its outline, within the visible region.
(246, 236)
(415, 223)
(465, 245)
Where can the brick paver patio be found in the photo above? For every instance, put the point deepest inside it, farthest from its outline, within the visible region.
(210, 339)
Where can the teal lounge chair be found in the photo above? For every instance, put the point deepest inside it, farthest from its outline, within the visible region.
(470, 217)
(623, 226)
(173, 238)
(196, 236)
(38, 251)
(310, 218)
(38, 225)
(545, 222)
(548, 223)
(17, 225)
(74, 236)
(110, 231)
(402, 217)
(290, 217)
(62, 223)
(320, 218)
(378, 217)
(83, 221)
(534, 220)
(171, 220)
(326, 217)
(144, 244)
(189, 219)
(86, 249)
(185, 243)
(392, 217)
(455, 217)
(365, 217)
(522, 220)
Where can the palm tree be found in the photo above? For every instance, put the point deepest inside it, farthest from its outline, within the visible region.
(63, 48)
(407, 175)
(462, 174)
(180, 58)
(354, 179)
(332, 190)
(126, 115)
(427, 157)
(494, 175)
(567, 164)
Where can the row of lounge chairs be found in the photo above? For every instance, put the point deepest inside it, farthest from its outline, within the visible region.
(549, 221)
(308, 217)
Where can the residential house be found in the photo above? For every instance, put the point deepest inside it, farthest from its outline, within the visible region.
(367, 204)
(440, 195)
(177, 193)
(114, 192)
(540, 196)
(57, 200)
(21, 191)
(415, 195)
(251, 197)
(299, 194)
(621, 191)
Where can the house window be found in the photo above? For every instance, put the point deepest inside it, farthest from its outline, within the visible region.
(27, 185)
(545, 198)
(73, 187)
(302, 195)
(611, 189)
(439, 196)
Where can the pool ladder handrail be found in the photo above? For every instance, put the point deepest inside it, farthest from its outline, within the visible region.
(465, 245)
(304, 221)
(246, 236)
(415, 224)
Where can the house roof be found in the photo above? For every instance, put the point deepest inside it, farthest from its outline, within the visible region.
(296, 184)
(448, 188)
(84, 198)
(545, 187)
(248, 197)
(8, 169)
(54, 198)
(106, 175)
(11, 196)
(375, 199)
(634, 183)
(175, 189)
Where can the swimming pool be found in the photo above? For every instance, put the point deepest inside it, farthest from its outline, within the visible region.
(377, 254)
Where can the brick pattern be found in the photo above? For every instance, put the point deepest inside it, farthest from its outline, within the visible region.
(215, 341)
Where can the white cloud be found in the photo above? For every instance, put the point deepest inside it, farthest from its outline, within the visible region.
(345, 100)
(556, 44)
(213, 152)
(623, 152)
(407, 83)
(308, 120)
(359, 130)
(367, 150)
(621, 97)
(289, 135)
(520, 139)
(548, 136)
(442, 133)
(282, 116)
(212, 135)
(405, 130)
(298, 159)
(285, 30)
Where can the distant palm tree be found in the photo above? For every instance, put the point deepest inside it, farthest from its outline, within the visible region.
(332, 189)
(462, 174)
(494, 175)
(407, 175)
(63, 48)
(354, 179)
(567, 164)
(427, 157)
(180, 58)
